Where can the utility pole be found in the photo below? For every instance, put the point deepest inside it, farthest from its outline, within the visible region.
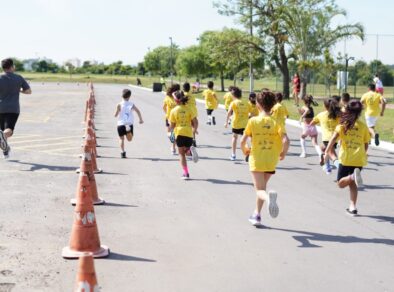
(251, 78)
(171, 68)
(347, 59)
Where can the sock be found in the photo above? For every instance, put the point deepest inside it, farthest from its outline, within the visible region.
(302, 142)
(185, 170)
(336, 163)
(318, 150)
(352, 207)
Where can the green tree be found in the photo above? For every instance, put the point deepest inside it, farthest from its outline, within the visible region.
(159, 60)
(192, 61)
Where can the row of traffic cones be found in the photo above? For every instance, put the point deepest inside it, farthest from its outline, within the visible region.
(84, 241)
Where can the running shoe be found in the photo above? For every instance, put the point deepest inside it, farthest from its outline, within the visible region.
(357, 177)
(173, 151)
(377, 139)
(247, 158)
(303, 155)
(233, 157)
(213, 121)
(327, 168)
(209, 123)
(321, 159)
(185, 176)
(352, 213)
(194, 154)
(255, 219)
(273, 207)
(6, 153)
(336, 163)
(123, 154)
(194, 143)
(172, 137)
(3, 142)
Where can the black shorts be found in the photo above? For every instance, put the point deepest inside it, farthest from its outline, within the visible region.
(167, 123)
(8, 121)
(238, 131)
(209, 112)
(325, 143)
(122, 130)
(344, 171)
(183, 141)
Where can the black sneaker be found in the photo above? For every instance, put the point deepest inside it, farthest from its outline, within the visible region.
(213, 121)
(194, 143)
(247, 158)
(321, 159)
(209, 123)
(123, 154)
(6, 153)
(351, 213)
(377, 139)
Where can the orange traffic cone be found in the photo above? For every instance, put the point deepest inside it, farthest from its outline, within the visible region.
(86, 277)
(89, 147)
(84, 233)
(87, 168)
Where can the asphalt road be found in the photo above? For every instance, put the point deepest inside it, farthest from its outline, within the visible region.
(167, 234)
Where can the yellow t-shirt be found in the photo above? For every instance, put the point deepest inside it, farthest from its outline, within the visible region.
(372, 100)
(169, 103)
(191, 103)
(280, 113)
(210, 99)
(253, 109)
(182, 117)
(352, 151)
(240, 110)
(266, 136)
(327, 125)
(228, 98)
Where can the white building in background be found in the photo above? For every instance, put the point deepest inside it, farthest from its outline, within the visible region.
(75, 62)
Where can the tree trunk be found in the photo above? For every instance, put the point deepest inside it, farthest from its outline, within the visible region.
(282, 63)
(304, 82)
(222, 79)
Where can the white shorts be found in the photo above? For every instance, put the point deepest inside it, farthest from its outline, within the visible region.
(371, 121)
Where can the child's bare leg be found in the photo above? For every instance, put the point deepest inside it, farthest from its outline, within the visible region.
(121, 143)
(129, 136)
(260, 180)
(234, 144)
(8, 133)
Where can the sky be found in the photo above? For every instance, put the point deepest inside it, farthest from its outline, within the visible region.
(108, 31)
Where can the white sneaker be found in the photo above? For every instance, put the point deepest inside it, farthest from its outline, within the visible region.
(357, 177)
(273, 207)
(233, 157)
(3, 142)
(303, 155)
(194, 154)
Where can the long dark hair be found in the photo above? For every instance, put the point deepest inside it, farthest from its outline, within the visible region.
(172, 89)
(266, 99)
(180, 97)
(352, 113)
(332, 106)
(309, 101)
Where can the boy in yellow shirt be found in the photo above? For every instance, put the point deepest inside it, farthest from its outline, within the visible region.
(168, 104)
(280, 112)
(211, 102)
(266, 151)
(240, 109)
(191, 103)
(184, 123)
(354, 137)
(228, 99)
(372, 100)
(253, 111)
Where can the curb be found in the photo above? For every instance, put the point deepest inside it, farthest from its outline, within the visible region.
(387, 146)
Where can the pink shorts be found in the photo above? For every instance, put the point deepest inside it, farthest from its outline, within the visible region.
(379, 90)
(309, 130)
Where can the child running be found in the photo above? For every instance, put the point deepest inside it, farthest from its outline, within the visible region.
(184, 123)
(191, 102)
(307, 115)
(345, 98)
(124, 113)
(253, 111)
(228, 99)
(280, 112)
(354, 137)
(372, 100)
(240, 109)
(211, 102)
(168, 104)
(266, 151)
(328, 121)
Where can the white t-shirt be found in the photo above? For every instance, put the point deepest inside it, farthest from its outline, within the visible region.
(126, 116)
(378, 82)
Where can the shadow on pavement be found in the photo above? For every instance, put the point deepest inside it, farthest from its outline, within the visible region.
(211, 146)
(154, 159)
(377, 187)
(222, 182)
(36, 166)
(305, 238)
(293, 168)
(379, 218)
(117, 205)
(112, 173)
(122, 257)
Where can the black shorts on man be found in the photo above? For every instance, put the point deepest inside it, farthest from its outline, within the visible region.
(122, 131)
(8, 121)
(183, 141)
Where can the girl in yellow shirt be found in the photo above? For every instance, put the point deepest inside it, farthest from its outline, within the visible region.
(354, 137)
(240, 109)
(269, 145)
(184, 123)
(168, 104)
(211, 102)
(253, 111)
(191, 103)
(328, 121)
